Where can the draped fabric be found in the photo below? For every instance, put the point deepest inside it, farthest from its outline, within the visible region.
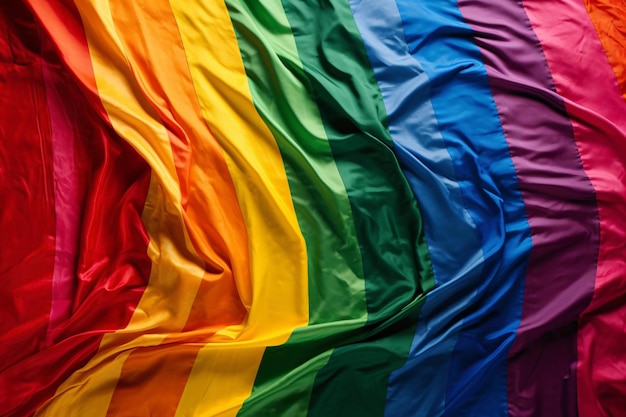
(313, 208)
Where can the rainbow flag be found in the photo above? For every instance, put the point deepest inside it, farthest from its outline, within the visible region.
(313, 208)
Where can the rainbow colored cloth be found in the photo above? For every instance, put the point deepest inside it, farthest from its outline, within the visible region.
(313, 208)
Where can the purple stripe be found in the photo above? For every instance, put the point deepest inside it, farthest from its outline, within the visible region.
(66, 203)
(560, 204)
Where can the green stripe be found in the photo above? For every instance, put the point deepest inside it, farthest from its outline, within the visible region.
(388, 223)
(281, 92)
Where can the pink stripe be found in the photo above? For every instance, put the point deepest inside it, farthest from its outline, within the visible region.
(66, 203)
(583, 76)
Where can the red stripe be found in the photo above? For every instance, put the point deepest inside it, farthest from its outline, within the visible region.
(104, 237)
(27, 196)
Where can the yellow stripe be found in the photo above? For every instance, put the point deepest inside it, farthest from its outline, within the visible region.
(224, 372)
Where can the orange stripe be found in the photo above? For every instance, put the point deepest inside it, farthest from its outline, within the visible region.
(156, 57)
(608, 17)
(217, 230)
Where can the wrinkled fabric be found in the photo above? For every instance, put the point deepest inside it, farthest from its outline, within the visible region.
(288, 208)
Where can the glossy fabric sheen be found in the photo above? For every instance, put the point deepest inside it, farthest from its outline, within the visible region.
(596, 373)
(312, 208)
(112, 266)
(552, 305)
(467, 119)
(429, 168)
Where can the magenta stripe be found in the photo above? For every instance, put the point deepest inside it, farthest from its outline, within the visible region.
(560, 204)
(66, 202)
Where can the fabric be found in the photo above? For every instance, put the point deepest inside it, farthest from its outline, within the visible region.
(313, 208)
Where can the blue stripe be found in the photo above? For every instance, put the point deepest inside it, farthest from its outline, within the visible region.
(462, 100)
(450, 142)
